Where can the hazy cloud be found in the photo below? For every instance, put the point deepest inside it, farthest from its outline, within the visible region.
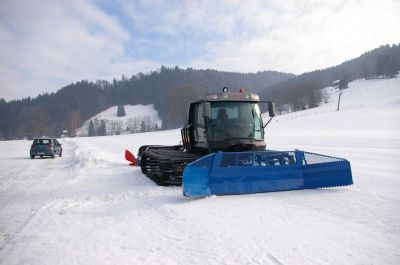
(48, 44)
(292, 36)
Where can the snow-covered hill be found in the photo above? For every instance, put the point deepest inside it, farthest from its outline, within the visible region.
(367, 107)
(90, 207)
(132, 122)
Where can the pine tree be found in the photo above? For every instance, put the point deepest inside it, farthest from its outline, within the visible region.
(121, 111)
(102, 128)
(393, 67)
(343, 83)
(91, 131)
(143, 127)
(382, 65)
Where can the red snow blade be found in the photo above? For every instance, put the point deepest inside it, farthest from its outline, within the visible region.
(131, 158)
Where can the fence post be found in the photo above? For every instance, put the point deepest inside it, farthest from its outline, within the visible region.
(338, 104)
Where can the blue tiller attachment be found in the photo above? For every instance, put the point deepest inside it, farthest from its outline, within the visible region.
(251, 172)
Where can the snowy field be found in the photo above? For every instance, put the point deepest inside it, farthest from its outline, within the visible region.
(90, 207)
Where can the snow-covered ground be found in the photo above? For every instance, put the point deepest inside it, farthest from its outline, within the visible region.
(90, 207)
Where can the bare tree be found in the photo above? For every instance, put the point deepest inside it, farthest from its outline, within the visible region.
(146, 121)
(137, 124)
(73, 122)
(118, 127)
(36, 122)
(180, 99)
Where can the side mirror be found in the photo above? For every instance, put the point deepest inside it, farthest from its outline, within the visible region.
(271, 109)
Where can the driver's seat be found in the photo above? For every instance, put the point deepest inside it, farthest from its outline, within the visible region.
(222, 118)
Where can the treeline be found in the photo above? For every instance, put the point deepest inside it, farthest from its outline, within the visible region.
(304, 91)
(171, 89)
(167, 88)
(102, 127)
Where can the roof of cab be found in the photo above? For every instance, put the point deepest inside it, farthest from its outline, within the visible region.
(233, 96)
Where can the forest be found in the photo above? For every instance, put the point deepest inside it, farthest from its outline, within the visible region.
(168, 89)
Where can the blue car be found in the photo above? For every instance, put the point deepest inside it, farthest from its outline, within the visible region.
(45, 147)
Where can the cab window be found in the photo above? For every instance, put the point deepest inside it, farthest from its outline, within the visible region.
(236, 120)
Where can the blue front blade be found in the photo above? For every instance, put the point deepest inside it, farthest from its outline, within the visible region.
(253, 172)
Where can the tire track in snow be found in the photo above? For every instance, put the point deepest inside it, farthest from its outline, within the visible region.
(21, 200)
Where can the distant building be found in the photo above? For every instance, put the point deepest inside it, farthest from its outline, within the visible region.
(336, 83)
(64, 133)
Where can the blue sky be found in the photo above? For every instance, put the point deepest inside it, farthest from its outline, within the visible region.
(45, 45)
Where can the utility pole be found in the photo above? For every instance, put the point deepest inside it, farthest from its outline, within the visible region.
(326, 96)
(338, 104)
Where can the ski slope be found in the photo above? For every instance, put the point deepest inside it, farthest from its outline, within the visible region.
(90, 207)
(135, 114)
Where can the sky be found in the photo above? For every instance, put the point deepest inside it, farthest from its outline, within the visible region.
(48, 44)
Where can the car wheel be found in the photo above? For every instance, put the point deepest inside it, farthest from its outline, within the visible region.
(32, 156)
(52, 155)
(41, 156)
(61, 153)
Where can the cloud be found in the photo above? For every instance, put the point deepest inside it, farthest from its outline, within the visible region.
(50, 44)
(298, 38)
(291, 36)
(47, 45)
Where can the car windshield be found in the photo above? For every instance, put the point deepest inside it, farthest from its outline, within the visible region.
(41, 141)
(235, 120)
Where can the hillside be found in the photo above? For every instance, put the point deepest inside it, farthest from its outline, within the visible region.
(170, 90)
(50, 114)
(301, 90)
(368, 108)
(91, 207)
(138, 118)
